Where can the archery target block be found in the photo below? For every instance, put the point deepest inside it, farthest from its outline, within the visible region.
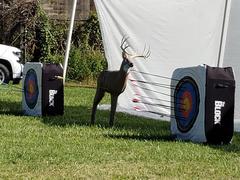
(32, 89)
(203, 101)
(43, 92)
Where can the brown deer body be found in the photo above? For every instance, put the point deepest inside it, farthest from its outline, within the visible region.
(114, 82)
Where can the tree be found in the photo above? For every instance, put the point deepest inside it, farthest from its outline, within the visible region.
(15, 16)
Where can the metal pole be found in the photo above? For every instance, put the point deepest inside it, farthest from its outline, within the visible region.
(224, 32)
(69, 40)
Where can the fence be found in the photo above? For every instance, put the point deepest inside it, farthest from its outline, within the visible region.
(61, 9)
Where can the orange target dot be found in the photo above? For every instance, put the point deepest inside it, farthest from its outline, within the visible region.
(186, 104)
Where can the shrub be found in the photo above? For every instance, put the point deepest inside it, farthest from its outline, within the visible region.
(88, 34)
(85, 64)
(28, 26)
(57, 58)
(96, 61)
(44, 39)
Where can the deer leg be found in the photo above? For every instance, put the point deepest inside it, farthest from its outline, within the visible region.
(114, 99)
(98, 97)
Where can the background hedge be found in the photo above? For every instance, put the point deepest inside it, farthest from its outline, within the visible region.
(44, 40)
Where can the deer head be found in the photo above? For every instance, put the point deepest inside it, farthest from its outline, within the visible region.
(127, 57)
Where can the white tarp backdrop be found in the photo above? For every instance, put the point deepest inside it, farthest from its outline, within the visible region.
(180, 33)
(232, 50)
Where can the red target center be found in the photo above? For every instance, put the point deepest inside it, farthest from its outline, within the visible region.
(186, 104)
(30, 88)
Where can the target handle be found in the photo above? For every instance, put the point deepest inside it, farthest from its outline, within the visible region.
(222, 86)
(55, 78)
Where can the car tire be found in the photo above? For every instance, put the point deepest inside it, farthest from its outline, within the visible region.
(4, 74)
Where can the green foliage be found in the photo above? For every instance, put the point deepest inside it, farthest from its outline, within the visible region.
(57, 58)
(86, 59)
(50, 38)
(85, 64)
(59, 32)
(88, 34)
(44, 40)
(15, 18)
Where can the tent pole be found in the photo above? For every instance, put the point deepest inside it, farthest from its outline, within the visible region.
(69, 40)
(224, 32)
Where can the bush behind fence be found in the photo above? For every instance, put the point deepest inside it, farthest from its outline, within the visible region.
(44, 40)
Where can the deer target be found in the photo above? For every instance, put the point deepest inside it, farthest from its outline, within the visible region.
(114, 82)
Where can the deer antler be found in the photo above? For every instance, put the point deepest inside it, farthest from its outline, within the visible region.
(145, 53)
(124, 45)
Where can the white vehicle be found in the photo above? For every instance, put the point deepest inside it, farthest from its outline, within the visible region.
(10, 66)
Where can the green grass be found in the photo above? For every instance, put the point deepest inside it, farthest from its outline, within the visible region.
(135, 148)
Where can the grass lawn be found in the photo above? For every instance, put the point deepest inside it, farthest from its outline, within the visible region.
(135, 148)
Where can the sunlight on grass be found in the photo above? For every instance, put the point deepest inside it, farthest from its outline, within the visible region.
(135, 148)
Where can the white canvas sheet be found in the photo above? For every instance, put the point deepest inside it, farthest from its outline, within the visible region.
(232, 51)
(180, 33)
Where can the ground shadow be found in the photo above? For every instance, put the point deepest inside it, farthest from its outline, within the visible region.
(80, 115)
(233, 146)
(142, 137)
(72, 116)
(10, 108)
(141, 129)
